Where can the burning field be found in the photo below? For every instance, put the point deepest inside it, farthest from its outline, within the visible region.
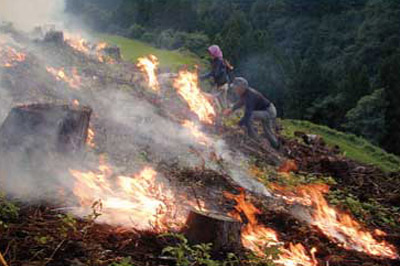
(111, 160)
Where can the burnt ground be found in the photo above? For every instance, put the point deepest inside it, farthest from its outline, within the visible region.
(43, 235)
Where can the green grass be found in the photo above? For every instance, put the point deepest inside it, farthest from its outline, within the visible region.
(354, 147)
(131, 50)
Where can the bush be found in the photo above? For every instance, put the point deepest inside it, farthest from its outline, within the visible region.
(170, 40)
(196, 43)
(149, 37)
(136, 31)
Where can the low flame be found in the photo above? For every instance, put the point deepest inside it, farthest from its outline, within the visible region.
(137, 201)
(338, 226)
(83, 46)
(75, 103)
(256, 236)
(187, 86)
(99, 48)
(90, 138)
(197, 134)
(9, 57)
(77, 43)
(148, 65)
(59, 74)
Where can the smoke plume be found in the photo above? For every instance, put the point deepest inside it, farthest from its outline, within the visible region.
(26, 15)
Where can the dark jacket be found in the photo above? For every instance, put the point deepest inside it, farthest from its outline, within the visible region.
(253, 101)
(218, 72)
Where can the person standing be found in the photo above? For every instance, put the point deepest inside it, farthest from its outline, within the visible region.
(220, 75)
(257, 107)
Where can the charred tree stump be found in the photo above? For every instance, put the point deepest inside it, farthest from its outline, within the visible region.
(45, 127)
(56, 37)
(36, 143)
(222, 231)
(114, 52)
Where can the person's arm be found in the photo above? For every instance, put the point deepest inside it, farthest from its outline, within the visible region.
(206, 76)
(212, 73)
(238, 105)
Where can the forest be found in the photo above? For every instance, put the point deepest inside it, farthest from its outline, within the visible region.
(332, 62)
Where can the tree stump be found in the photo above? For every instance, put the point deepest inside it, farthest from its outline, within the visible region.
(56, 37)
(37, 144)
(114, 52)
(222, 231)
(46, 128)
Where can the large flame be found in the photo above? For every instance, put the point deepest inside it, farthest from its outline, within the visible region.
(9, 57)
(136, 201)
(187, 86)
(148, 65)
(74, 81)
(340, 227)
(256, 236)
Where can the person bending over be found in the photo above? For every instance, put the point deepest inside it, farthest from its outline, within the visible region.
(256, 107)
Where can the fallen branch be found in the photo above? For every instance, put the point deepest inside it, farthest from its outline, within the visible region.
(55, 251)
(2, 260)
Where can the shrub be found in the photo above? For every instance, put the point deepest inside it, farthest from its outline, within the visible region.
(149, 37)
(170, 39)
(136, 31)
(196, 43)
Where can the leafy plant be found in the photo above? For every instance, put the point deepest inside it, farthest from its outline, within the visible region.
(124, 262)
(186, 254)
(68, 223)
(8, 211)
(43, 240)
(382, 215)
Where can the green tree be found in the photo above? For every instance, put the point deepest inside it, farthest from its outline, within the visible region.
(391, 81)
(367, 119)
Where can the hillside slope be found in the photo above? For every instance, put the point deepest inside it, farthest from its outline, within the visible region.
(151, 160)
(353, 147)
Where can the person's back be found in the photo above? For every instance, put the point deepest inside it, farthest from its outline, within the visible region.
(219, 72)
(257, 106)
(256, 100)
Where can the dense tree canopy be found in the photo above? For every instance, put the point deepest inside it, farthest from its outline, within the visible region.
(317, 59)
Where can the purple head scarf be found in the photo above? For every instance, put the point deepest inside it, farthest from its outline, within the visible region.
(215, 51)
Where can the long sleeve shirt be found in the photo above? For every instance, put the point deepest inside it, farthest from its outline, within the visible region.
(252, 100)
(218, 72)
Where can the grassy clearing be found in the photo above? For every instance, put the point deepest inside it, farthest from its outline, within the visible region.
(131, 50)
(354, 147)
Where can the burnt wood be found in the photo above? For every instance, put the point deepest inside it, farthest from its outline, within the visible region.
(46, 128)
(222, 231)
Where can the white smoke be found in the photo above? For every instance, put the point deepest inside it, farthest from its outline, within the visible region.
(28, 14)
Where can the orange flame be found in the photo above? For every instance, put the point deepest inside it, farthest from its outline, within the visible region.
(81, 45)
(75, 102)
(256, 236)
(148, 65)
(77, 43)
(137, 201)
(90, 138)
(340, 227)
(59, 74)
(100, 55)
(187, 86)
(197, 134)
(10, 57)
